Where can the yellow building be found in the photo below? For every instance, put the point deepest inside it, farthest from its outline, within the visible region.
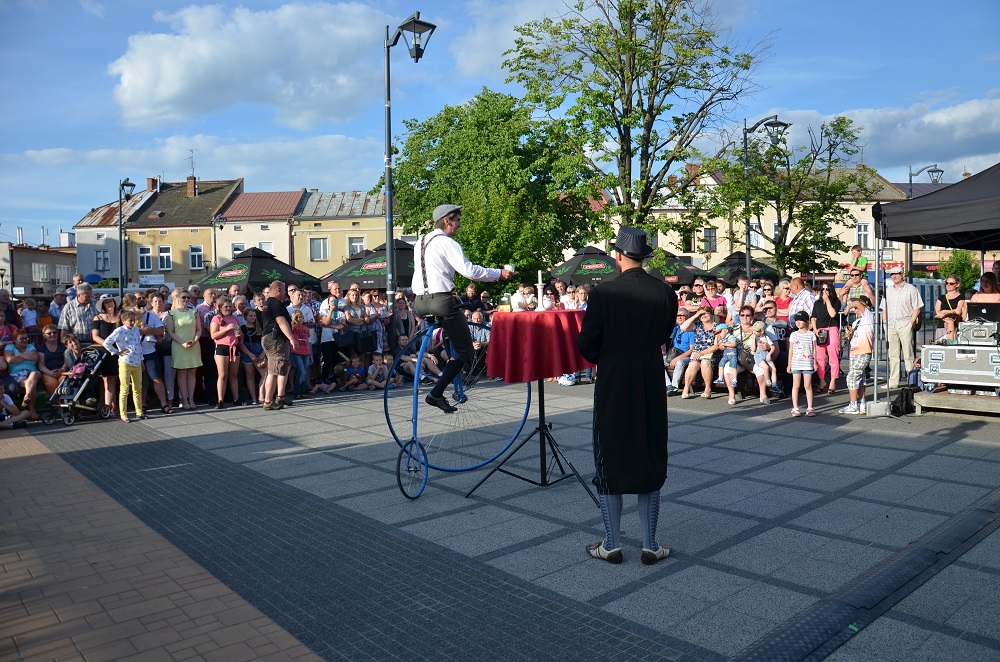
(170, 240)
(329, 228)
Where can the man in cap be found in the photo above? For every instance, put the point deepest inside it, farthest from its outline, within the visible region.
(902, 306)
(861, 341)
(626, 323)
(436, 260)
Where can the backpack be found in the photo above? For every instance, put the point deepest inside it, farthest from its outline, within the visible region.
(902, 404)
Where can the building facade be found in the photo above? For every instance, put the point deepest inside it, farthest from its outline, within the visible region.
(329, 228)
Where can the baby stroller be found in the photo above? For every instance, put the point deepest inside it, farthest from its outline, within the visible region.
(75, 392)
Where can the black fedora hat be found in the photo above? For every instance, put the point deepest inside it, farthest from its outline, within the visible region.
(631, 242)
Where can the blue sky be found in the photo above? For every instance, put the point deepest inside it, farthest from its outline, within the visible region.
(290, 95)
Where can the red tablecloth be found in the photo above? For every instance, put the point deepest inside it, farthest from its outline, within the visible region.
(528, 346)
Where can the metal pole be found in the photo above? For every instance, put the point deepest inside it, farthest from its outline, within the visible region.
(746, 186)
(121, 248)
(390, 247)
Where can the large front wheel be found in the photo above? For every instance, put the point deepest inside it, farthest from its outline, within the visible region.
(490, 413)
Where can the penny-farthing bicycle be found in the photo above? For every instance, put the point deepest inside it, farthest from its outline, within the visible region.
(490, 413)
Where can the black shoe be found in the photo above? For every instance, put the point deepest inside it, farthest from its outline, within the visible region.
(440, 403)
(285, 401)
(218, 405)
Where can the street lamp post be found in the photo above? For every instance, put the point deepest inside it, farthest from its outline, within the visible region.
(417, 29)
(125, 189)
(775, 129)
(935, 174)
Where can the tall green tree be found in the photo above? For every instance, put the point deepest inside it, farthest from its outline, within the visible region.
(964, 265)
(638, 82)
(525, 199)
(804, 190)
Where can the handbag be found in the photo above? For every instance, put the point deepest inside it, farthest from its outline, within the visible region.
(822, 337)
(260, 362)
(745, 356)
(364, 341)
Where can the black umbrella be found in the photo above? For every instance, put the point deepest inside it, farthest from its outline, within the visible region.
(369, 268)
(735, 265)
(253, 270)
(588, 265)
(677, 272)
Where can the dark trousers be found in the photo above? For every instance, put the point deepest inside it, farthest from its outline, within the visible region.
(457, 329)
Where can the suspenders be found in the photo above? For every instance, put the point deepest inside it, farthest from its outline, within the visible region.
(423, 259)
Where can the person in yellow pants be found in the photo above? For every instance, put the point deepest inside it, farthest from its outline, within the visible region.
(125, 341)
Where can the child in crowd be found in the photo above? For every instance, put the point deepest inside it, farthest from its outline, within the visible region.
(10, 417)
(29, 315)
(126, 342)
(301, 356)
(861, 338)
(730, 354)
(762, 355)
(337, 379)
(378, 374)
(802, 362)
(354, 377)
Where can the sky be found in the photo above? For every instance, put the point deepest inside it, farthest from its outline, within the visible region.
(290, 95)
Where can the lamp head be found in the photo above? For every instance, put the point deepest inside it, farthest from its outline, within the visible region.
(936, 175)
(775, 129)
(417, 28)
(126, 188)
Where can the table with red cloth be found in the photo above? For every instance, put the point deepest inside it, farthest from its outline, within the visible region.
(529, 346)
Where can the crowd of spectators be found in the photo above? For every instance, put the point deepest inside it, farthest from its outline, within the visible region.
(186, 348)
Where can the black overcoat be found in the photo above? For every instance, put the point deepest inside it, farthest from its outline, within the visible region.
(626, 322)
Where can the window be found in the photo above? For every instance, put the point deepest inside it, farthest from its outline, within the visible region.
(928, 247)
(142, 233)
(355, 245)
(101, 236)
(145, 258)
(102, 261)
(163, 232)
(237, 228)
(756, 236)
(39, 272)
(64, 273)
(237, 248)
(710, 240)
(266, 246)
(691, 244)
(319, 248)
(166, 258)
(355, 224)
(863, 235)
(195, 230)
(196, 258)
(776, 231)
(265, 226)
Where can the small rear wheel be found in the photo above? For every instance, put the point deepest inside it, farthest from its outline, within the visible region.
(104, 411)
(48, 417)
(69, 418)
(930, 388)
(411, 469)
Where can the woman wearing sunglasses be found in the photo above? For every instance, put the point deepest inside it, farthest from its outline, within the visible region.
(952, 302)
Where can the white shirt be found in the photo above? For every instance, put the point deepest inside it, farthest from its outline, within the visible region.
(152, 320)
(445, 257)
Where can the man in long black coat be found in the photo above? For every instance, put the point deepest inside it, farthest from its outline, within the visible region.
(627, 321)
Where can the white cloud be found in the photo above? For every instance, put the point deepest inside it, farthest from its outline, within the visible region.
(478, 52)
(309, 63)
(88, 178)
(92, 7)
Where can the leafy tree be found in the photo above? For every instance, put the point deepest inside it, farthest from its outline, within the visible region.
(961, 263)
(802, 189)
(525, 199)
(637, 81)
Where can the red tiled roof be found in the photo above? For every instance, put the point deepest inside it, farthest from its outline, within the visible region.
(275, 206)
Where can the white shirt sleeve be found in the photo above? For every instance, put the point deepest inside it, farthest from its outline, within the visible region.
(445, 258)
